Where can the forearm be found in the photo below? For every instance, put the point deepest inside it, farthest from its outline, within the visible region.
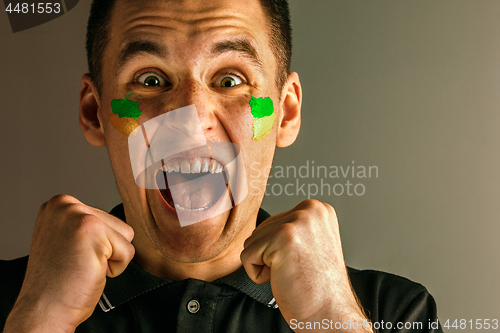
(336, 320)
(34, 316)
(353, 325)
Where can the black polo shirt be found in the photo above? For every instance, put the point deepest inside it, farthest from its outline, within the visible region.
(137, 301)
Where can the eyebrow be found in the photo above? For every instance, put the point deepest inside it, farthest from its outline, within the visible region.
(241, 46)
(134, 48)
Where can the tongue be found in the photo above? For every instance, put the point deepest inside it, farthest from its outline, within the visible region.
(194, 191)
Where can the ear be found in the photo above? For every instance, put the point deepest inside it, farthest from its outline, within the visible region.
(90, 117)
(290, 111)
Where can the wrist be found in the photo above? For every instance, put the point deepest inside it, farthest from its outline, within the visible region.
(31, 315)
(334, 320)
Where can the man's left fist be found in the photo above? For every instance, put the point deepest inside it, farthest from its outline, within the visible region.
(300, 252)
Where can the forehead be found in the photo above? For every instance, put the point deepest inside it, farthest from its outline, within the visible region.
(188, 23)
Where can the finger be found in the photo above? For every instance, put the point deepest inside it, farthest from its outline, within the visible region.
(264, 275)
(273, 218)
(64, 201)
(115, 223)
(253, 260)
(260, 256)
(258, 274)
(289, 216)
(122, 252)
(269, 228)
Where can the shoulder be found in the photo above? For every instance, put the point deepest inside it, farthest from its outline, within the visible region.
(372, 282)
(11, 279)
(392, 298)
(12, 273)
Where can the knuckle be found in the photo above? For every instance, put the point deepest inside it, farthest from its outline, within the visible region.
(243, 257)
(61, 199)
(60, 209)
(74, 208)
(246, 243)
(73, 213)
(333, 215)
(130, 231)
(330, 209)
(318, 208)
(42, 208)
(88, 224)
(131, 249)
(274, 257)
(312, 204)
(287, 231)
(288, 237)
(300, 215)
(102, 250)
(63, 203)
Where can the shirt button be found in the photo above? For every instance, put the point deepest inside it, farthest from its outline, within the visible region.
(193, 306)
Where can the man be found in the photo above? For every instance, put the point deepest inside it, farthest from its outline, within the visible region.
(235, 271)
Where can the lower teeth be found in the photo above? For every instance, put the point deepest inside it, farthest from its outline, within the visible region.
(191, 210)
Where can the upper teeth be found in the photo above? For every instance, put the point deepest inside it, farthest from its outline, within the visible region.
(196, 165)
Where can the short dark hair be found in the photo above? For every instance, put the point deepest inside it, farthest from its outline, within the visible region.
(279, 26)
(280, 29)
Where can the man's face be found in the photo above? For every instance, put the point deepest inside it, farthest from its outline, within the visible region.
(171, 54)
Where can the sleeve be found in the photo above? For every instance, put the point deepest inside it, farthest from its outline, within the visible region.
(419, 316)
(11, 279)
(395, 304)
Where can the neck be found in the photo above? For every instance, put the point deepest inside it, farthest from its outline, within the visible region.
(223, 264)
(159, 263)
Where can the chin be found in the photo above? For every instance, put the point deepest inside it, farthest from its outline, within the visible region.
(193, 197)
(195, 242)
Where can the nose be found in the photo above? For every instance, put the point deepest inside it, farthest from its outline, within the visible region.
(194, 93)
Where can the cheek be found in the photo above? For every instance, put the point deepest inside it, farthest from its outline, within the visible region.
(264, 117)
(152, 107)
(236, 118)
(117, 146)
(243, 128)
(239, 122)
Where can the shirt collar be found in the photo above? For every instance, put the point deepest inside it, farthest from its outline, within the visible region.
(134, 281)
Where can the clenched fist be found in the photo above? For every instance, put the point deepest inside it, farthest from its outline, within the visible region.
(74, 248)
(300, 252)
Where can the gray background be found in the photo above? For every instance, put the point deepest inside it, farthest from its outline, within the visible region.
(412, 87)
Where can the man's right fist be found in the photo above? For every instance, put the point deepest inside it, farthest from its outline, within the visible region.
(74, 248)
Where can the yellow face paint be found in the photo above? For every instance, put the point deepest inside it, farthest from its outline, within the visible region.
(264, 117)
(123, 125)
(125, 115)
(262, 126)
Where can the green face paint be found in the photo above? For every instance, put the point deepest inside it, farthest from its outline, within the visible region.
(125, 108)
(264, 116)
(125, 115)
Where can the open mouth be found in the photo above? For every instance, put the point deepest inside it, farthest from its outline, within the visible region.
(192, 184)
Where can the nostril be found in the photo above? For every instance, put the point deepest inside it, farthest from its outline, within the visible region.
(208, 120)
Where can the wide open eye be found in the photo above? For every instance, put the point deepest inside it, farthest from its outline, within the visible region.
(228, 81)
(151, 79)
